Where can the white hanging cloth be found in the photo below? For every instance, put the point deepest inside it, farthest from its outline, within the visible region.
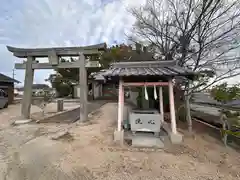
(155, 92)
(146, 94)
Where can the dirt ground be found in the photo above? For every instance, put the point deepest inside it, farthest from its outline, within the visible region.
(27, 152)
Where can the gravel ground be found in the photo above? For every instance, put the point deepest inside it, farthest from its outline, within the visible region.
(28, 153)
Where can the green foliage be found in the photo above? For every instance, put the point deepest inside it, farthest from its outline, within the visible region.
(115, 54)
(231, 114)
(229, 132)
(181, 113)
(64, 78)
(63, 89)
(220, 93)
(224, 93)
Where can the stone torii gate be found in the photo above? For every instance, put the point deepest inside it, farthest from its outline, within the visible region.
(53, 55)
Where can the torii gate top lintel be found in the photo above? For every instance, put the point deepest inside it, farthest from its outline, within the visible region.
(59, 51)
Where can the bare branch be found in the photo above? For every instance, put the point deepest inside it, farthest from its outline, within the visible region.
(199, 34)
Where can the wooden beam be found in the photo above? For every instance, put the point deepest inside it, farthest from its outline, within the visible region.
(75, 64)
(62, 53)
(146, 84)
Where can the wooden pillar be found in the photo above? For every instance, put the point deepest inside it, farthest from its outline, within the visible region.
(93, 91)
(120, 105)
(100, 90)
(172, 107)
(161, 103)
(83, 89)
(28, 82)
(10, 92)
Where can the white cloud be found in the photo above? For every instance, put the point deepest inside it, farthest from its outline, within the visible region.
(44, 23)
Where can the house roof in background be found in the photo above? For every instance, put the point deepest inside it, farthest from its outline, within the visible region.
(4, 78)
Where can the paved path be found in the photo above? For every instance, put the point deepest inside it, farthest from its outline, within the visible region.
(203, 98)
(206, 109)
(74, 115)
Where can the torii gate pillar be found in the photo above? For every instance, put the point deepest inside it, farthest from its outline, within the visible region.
(27, 96)
(83, 89)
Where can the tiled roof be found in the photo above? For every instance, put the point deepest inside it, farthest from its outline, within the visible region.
(147, 71)
(152, 68)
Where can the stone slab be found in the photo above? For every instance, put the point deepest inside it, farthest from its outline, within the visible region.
(119, 136)
(59, 135)
(67, 116)
(147, 141)
(176, 138)
(19, 122)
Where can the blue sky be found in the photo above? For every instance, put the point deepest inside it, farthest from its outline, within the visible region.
(45, 23)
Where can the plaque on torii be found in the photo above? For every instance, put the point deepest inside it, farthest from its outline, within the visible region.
(54, 54)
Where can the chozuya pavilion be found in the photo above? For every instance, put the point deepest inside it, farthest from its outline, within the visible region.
(146, 74)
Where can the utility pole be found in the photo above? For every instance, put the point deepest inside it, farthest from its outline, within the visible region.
(13, 73)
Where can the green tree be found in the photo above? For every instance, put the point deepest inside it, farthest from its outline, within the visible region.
(63, 79)
(230, 119)
(224, 93)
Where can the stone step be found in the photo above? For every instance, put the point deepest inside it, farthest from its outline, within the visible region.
(147, 141)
